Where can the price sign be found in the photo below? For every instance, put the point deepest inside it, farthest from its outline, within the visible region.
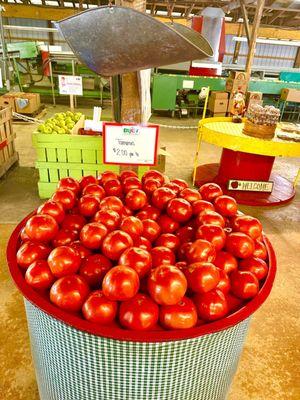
(69, 84)
(130, 144)
(251, 186)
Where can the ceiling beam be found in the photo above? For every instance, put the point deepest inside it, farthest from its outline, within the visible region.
(245, 18)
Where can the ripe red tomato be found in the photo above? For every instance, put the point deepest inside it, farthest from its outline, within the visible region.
(182, 251)
(115, 244)
(138, 259)
(179, 210)
(73, 222)
(224, 283)
(168, 240)
(226, 261)
(132, 182)
(226, 206)
(142, 243)
(39, 276)
(244, 284)
(66, 197)
(148, 212)
(210, 191)
(186, 234)
(151, 185)
(240, 245)
(107, 176)
(139, 313)
(88, 205)
(162, 256)
(23, 236)
(94, 268)
(111, 219)
(113, 187)
(127, 174)
(210, 218)
(64, 260)
(200, 206)
(190, 195)
(30, 252)
(111, 203)
(201, 250)
(181, 265)
(120, 283)
(249, 225)
(234, 303)
(95, 190)
(182, 315)
(132, 225)
(255, 265)
(135, 199)
(87, 180)
(202, 276)
(126, 212)
(153, 174)
(64, 238)
(212, 305)
(260, 250)
(161, 197)
(70, 184)
(69, 293)
(181, 183)
(167, 285)
(41, 228)
(151, 229)
(99, 309)
(167, 224)
(53, 209)
(92, 235)
(82, 250)
(176, 188)
(213, 234)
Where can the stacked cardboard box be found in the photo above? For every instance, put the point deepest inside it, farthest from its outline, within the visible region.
(236, 82)
(20, 102)
(217, 104)
(253, 98)
(290, 95)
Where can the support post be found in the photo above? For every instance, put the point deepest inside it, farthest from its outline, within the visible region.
(4, 53)
(246, 21)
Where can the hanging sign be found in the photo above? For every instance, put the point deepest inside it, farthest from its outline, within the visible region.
(69, 84)
(130, 144)
(251, 186)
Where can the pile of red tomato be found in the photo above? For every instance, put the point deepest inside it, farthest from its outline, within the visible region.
(146, 255)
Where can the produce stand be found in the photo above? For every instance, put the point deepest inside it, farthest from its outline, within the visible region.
(245, 158)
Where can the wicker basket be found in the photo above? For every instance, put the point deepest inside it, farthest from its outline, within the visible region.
(259, 131)
(77, 360)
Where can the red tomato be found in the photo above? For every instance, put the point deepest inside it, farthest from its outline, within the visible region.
(167, 224)
(30, 252)
(53, 209)
(179, 316)
(212, 305)
(150, 185)
(176, 189)
(130, 183)
(127, 174)
(41, 228)
(260, 250)
(234, 303)
(255, 265)
(226, 206)
(23, 235)
(39, 276)
(167, 285)
(64, 238)
(115, 244)
(94, 268)
(179, 210)
(87, 180)
(66, 197)
(107, 176)
(226, 261)
(202, 276)
(210, 218)
(186, 234)
(153, 174)
(162, 256)
(113, 187)
(82, 250)
(92, 235)
(64, 260)
(94, 190)
(168, 240)
(142, 243)
(224, 283)
(111, 203)
(190, 195)
(151, 229)
(138, 259)
(98, 309)
(244, 284)
(181, 265)
(213, 234)
(135, 199)
(88, 205)
(69, 293)
(240, 245)
(139, 313)
(249, 225)
(181, 183)
(120, 283)
(161, 197)
(201, 250)
(200, 206)
(70, 184)
(182, 251)
(132, 225)
(210, 191)
(148, 212)
(111, 219)
(126, 212)
(73, 222)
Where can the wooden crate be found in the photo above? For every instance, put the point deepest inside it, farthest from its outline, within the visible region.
(8, 154)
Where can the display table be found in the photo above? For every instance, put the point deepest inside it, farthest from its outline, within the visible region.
(244, 158)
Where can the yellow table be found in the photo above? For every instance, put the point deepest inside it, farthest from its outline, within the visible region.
(245, 158)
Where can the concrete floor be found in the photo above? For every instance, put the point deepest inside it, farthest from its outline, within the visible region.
(269, 366)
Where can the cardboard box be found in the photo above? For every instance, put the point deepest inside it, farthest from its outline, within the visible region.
(290, 95)
(7, 102)
(218, 95)
(230, 102)
(88, 83)
(217, 105)
(233, 85)
(28, 103)
(253, 96)
(254, 101)
(239, 75)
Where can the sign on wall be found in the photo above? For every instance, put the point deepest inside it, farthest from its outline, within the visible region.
(69, 84)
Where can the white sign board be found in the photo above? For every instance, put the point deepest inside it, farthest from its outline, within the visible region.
(250, 186)
(69, 84)
(187, 84)
(130, 144)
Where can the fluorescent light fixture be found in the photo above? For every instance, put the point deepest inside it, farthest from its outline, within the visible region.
(269, 41)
